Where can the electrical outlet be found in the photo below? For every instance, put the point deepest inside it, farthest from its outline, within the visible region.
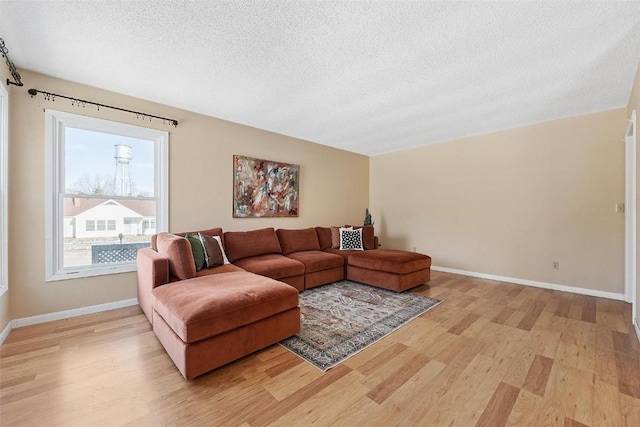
(619, 207)
(556, 265)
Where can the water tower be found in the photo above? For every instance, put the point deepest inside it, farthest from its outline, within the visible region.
(122, 178)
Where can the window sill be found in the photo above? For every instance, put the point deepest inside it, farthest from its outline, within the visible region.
(90, 271)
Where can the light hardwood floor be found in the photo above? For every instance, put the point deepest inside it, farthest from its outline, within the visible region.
(491, 354)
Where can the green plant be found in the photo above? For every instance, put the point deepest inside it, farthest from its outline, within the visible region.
(367, 218)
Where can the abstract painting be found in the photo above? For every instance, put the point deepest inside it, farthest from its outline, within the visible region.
(264, 188)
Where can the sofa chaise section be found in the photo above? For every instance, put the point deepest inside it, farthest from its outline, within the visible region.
(210, 317)
(391, 269)
(208, 321)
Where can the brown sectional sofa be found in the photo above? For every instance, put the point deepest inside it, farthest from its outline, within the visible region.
(210, 317)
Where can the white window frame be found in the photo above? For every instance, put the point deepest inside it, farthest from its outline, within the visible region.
(4, 190)
(55, 124)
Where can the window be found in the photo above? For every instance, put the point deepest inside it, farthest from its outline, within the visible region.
(109, 177)
(4, 188)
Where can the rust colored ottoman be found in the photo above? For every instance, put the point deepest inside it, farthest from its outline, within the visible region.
(208, 321)
(389, 268)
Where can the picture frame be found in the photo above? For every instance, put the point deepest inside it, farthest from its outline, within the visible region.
(265, 188)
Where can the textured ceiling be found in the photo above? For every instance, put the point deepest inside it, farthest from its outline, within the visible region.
(369, 77)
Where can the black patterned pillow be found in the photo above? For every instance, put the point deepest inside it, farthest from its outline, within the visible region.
(351, 240)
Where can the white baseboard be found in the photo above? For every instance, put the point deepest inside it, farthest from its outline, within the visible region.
(637, 328)
(544, 285)
(49, 317)
(5, 332)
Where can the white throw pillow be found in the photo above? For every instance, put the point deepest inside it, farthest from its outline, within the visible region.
(350, 239)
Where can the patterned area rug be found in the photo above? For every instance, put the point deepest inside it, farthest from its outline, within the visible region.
(342, 318)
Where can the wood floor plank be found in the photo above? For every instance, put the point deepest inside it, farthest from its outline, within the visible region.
(385, 357)
(519, 365)
(568, 422)
(606, 405)
(589, 309)
(628, 374)
(564, 307)
(321, 408)
(418, 385)
(463, 324)
(302, 395)
(533, 312)
(465, 397)
(286, 364)
(538, 375)
(630, 408)
(397, 379)
(525, 410)
(497, 411)
(581, 357)
(492, 353)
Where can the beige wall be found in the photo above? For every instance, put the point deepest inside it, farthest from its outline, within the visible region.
(334, 187)
(5, 313)
(512, 202)
(634, 98)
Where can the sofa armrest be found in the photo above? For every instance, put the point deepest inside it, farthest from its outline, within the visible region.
(152, 271)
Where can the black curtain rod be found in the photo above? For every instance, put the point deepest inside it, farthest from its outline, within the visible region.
(11, 65)
(76, 101)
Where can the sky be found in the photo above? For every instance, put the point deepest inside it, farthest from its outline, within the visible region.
(93, 153)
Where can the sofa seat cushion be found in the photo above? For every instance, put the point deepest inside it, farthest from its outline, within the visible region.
(337, 251)
(390, 260)
(275, 266)
(203, 307)
(317, 261)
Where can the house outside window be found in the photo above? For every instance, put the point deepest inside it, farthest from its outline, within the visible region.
(104, 179)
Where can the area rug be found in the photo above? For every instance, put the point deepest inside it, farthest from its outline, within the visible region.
(342, 318)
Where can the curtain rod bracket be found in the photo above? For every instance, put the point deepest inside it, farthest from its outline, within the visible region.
(12, 68)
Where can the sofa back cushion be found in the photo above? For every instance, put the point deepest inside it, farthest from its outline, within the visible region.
(368, 235)
(335, 237)
(178, 250)
(245, 244)
(324, 237)
(298, 240)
